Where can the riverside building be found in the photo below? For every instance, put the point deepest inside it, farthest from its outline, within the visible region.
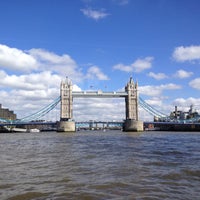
(7, 114)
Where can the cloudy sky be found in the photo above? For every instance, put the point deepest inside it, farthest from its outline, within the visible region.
(99, 44)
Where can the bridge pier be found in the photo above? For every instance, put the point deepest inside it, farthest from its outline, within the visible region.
(131, 125)
(66, 126)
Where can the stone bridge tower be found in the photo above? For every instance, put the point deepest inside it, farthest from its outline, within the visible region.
(66, 123)
(132, 122)
(131, 100)
(66, 103)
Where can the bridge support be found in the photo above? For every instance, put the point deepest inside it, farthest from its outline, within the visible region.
(66, 124)
(132, 123)
(133, 126)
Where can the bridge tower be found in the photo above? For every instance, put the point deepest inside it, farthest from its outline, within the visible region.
(66, 100)
(132, 122)
(66, 123)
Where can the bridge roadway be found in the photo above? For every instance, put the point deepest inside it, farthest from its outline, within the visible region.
(86, 123)
(99, 93)
(95, 122)
(163, 126)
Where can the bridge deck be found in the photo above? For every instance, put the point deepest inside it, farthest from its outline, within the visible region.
(99, 93)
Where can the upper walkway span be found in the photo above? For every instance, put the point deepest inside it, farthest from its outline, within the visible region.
(97, 94)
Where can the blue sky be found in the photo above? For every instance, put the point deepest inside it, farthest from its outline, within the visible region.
(99, 44)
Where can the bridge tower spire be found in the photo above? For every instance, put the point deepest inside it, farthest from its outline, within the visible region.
(132, 122)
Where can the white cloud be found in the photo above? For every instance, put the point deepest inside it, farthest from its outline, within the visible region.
(33, 91)
(122, 67)
(157, 76)
(138, 66)
(44, 55)
(184, 104)
(190, 53)
(142, 64)
(95, 72)
(36, 81)
(121, 2)
(63, 65)
(28, 93)
(41, 86)
(170, 86)
(183, 74)
(38, 60)
(15, 59)
(76, 88)
(39, 95)
(94, 14)
(25, 102)
(195, 83)
(105, 109)
(155, 101)
(41, 60)
(151, 90)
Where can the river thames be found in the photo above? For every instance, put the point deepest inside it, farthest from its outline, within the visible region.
(100, 165)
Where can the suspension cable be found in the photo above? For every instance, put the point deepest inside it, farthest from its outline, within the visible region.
(41, 112)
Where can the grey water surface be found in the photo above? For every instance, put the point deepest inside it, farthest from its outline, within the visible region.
(100, 165)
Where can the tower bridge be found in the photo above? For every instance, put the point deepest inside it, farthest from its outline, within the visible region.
(66, 123)
(131, 122)
(130, 95)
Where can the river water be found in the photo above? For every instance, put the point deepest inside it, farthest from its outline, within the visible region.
(100, 165)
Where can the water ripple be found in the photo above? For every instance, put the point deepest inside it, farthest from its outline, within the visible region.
(96, 165)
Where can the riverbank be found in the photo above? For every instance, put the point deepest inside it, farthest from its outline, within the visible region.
(171, 126)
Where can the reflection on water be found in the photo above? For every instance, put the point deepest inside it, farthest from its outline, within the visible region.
(100, 165)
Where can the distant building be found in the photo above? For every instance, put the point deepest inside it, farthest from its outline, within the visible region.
(177, 114)
(7, 114)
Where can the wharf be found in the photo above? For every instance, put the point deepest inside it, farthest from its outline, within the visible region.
(171, 126)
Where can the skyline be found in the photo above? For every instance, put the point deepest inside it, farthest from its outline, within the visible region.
(99, 45)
